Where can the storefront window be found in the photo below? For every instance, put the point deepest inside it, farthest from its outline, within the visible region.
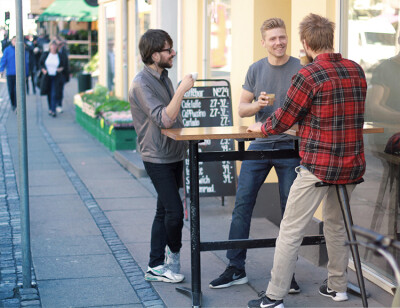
(220, 38)
(110, 11)
(373, 42)
(143, 10)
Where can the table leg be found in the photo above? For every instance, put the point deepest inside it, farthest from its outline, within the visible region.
(195, 292)
(195, 223)
(348, 221)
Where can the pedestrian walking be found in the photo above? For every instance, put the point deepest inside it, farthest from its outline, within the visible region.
(32, 66)
(51, 82)
(327, 100)
(63, 51)
(7, 63)
(154, 106)
(4, 42)
(270, 75)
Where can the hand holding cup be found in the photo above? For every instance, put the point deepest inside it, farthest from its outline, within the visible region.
(186, 83)
(194, 75)
(265, 99)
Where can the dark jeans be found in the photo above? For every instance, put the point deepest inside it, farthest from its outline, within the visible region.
(59, 102)
(33, 76)
(12, 90)
(252, 175)
(168, 221)
(52, 99)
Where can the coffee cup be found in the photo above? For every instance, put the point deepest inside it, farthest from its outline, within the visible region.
(271, 98)
(303, 58)
(194, 75)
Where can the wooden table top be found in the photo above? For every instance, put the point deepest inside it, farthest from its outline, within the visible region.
(237, 132)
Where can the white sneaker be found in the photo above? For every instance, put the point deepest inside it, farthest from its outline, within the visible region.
(336, 296)
(173, 260)
(162, 273)
(59, 109)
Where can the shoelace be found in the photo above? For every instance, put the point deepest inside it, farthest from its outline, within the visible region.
(261, 294)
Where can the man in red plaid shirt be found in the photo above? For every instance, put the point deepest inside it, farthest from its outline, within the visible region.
(326, 99)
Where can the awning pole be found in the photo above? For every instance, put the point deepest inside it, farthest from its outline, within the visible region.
(23, 157)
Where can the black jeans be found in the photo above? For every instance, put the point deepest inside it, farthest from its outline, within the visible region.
(168, 221)
(12, 90)
(33, 76)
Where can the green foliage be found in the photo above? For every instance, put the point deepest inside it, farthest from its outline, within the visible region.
(78, 49)
(103, 101)
(76, 66)
(82, 34)
(93, 64)
(100, 90)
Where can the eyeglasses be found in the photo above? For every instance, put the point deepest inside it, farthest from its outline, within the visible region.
(167, 49)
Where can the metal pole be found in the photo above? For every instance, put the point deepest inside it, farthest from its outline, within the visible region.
(23, 157)
(195, 223)
(348, 221)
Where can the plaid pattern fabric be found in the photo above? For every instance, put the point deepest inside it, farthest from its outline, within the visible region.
(327, 99)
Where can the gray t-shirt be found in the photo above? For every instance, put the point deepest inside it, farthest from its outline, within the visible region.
(264, 77)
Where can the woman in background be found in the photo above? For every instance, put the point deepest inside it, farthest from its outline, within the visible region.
(52, 65)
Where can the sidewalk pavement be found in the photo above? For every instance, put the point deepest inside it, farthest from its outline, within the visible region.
(90, 223)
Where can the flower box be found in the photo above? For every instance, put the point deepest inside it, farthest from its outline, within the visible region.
(113, 137)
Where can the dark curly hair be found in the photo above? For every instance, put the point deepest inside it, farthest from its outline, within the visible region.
(152, 41)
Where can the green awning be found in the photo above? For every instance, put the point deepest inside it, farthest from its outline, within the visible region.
(68, 10)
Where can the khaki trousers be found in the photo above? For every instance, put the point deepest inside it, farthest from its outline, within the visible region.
(304, 199)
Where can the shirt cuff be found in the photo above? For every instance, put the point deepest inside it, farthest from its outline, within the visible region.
(263, 129)
(166, 120)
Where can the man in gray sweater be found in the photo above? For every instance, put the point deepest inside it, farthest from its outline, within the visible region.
(154, 106)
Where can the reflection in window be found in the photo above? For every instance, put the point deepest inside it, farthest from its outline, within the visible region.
(373, 33)
(110, 38)
(143, 24)
(387, 39)
(220, 38)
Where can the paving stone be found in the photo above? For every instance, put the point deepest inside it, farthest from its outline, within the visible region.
(154, 304)
(6, 294)
(25, 291)
(7, 271)
(30, 303)
(28, 297)
(10, 303)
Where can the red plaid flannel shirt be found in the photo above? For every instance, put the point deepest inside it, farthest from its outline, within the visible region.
(327, 99)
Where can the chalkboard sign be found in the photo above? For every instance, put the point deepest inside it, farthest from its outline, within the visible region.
(207, 106)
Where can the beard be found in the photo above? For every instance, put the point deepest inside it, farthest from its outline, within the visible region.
(164, 64)
(309, 58)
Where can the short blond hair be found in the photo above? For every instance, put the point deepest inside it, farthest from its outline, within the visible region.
(317, 31)
(272, 23)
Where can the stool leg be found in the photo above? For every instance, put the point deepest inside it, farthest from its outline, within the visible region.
(348, 221)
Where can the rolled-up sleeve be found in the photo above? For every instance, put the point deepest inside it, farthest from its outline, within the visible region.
(166, 120)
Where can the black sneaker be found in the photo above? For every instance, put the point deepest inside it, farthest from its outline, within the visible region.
(294, 287)
(265, 302)
(231, 276)
(336, 296)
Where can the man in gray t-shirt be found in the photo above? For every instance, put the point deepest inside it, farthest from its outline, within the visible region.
(271, 75)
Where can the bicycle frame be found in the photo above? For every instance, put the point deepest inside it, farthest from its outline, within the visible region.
(380, 244)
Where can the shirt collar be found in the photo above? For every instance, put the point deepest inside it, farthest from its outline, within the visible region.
(155, 73)
(332, 57)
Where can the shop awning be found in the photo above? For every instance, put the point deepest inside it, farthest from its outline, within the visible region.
(68, 10)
